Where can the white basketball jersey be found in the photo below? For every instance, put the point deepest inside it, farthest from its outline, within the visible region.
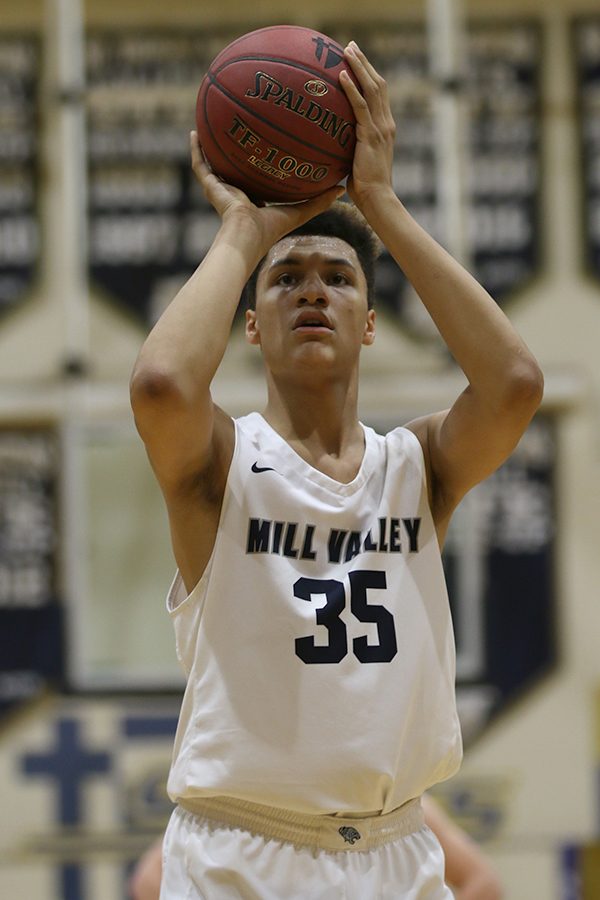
(318, 643)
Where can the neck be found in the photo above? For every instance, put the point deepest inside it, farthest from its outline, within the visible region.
(321, 417)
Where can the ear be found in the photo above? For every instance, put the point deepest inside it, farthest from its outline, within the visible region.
(252, 332)
(369, 332)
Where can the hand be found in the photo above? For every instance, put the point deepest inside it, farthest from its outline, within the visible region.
(375, 128)
(485, 886)
(264, 224)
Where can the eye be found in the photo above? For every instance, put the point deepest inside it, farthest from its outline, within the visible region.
(338, 278)
(286, 279)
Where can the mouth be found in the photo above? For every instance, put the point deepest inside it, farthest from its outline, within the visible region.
(312, 322)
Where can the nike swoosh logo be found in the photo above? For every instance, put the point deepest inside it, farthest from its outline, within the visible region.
(257, 468)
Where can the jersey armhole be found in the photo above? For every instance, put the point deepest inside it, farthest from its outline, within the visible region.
(421, 455)
(178, 597)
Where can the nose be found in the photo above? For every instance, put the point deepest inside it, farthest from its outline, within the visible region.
(313, 290)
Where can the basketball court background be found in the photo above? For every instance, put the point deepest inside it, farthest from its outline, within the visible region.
(89, 683)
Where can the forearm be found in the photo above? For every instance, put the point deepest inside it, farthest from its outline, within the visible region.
(468, 871)
(187, 344)
(477, 333)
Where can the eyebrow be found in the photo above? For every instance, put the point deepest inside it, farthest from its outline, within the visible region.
(296, 261)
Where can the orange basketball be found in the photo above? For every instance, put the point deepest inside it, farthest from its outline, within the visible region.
(272, 117)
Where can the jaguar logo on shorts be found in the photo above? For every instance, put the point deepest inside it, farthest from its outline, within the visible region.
(350, 835)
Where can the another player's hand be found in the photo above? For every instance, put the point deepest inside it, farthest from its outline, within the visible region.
(375, 128)
(268, 223)
(483, 887)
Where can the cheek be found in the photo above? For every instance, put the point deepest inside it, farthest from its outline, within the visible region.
(267, 330)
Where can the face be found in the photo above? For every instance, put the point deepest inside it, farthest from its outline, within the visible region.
(311, 304)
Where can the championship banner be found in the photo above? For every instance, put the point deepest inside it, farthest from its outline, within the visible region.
(587, 67)
(502, 99)
(499, 565)
(85, 783)
(31, 643)
(150, 225)
(19, 130)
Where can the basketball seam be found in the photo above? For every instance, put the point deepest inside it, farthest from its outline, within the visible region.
(271, 124)
(243, 37)
(246, 175)
(277, 59)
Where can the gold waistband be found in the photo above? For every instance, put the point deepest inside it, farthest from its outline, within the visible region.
(316, 832)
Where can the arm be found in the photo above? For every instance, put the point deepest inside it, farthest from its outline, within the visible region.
(468, 871)
(144, 883)
(189, 440)
(466, 443)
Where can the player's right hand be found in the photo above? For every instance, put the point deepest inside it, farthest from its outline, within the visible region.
(271, 222)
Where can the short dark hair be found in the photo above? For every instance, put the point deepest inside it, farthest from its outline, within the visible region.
(342, 220)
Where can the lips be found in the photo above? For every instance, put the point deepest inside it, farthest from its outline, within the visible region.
(312, 319)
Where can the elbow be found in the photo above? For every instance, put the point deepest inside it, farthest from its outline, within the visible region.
(525, 387)
(151, 386)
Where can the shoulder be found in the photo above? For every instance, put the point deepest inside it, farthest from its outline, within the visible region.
(407, 443)
(405, 438)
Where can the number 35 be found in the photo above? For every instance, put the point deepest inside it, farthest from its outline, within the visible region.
(329, 617)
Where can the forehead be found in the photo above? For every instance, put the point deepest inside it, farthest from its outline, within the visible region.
(311, 246)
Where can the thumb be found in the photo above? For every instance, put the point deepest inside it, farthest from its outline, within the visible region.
(311, 208)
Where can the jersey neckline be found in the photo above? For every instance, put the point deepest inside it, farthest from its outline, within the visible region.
(287, 461)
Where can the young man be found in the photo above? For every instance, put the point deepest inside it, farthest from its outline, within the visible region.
(309, 605)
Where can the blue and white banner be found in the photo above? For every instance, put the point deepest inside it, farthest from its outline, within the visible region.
(83, 790)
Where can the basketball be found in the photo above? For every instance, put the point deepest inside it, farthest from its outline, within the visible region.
(272, 117)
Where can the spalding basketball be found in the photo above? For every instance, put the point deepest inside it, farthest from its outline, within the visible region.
(272, 117)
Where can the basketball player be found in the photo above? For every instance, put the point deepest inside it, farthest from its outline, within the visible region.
(309, 606)
(468, 871)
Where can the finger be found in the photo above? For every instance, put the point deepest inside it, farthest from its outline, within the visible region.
(354, 52)
(359, 104)
(373, 85)
(329, 196)
(350, 188)
(195, 148)
(308, 209)
(206, 177)
(199, 164)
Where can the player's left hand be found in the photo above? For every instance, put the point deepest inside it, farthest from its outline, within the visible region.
(375, 128)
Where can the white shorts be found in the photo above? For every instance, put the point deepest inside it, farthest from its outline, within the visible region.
(214, 854)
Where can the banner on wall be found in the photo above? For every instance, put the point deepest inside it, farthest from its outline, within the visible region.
(85, 781)
(502, 100)
(31, 639)
(150, 225)
(587, 68)
(499, 565)
(19, 135)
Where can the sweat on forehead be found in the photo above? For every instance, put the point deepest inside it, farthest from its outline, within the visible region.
(304, 246)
